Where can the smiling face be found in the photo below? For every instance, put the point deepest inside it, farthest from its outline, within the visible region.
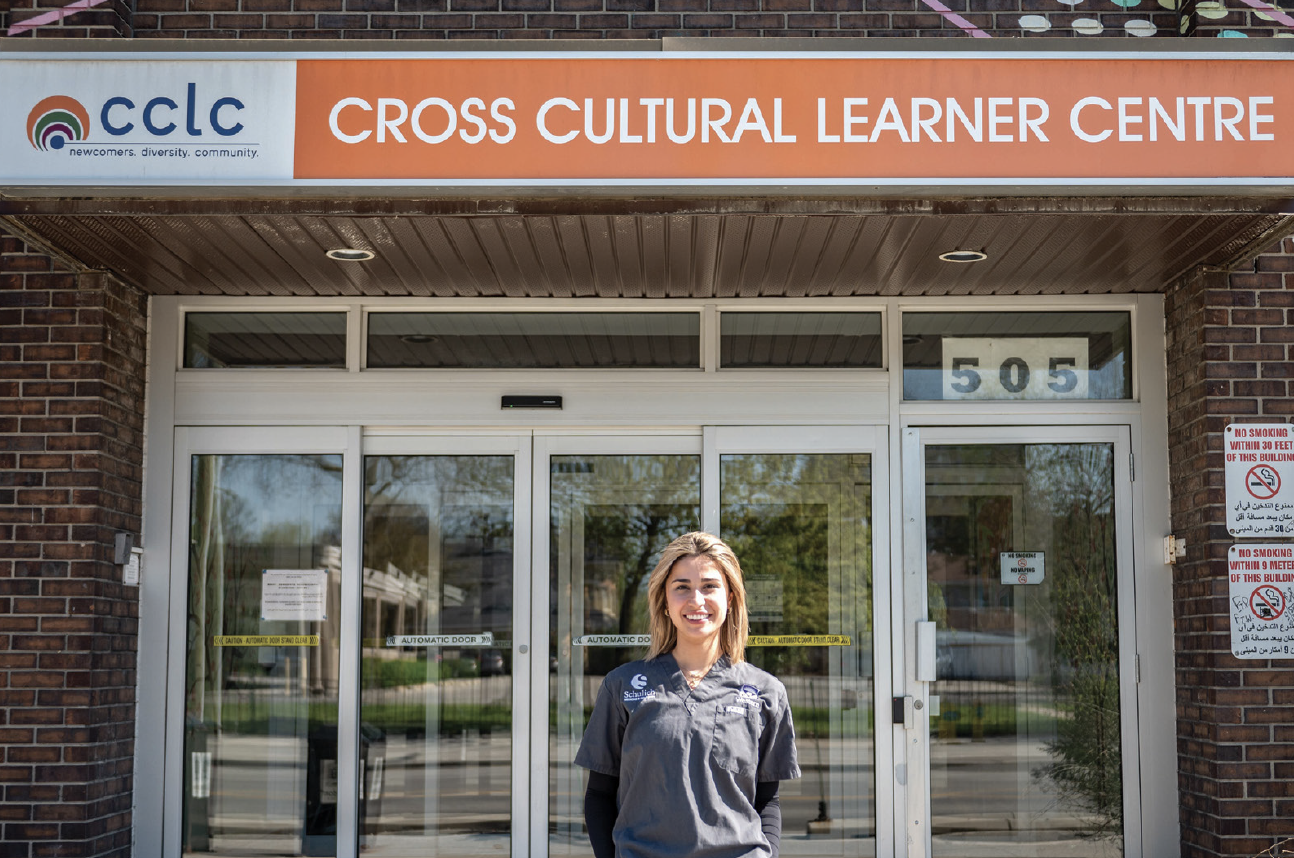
(696, 596)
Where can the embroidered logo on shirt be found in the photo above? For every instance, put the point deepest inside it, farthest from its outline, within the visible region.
(738, 710)
(639, 682)
(748, 696)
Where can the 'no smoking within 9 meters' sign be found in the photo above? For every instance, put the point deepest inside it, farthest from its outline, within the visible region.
(1261, 589)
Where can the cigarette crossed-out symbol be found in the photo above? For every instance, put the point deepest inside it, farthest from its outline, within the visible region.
(1263, 482)
(1267, 603)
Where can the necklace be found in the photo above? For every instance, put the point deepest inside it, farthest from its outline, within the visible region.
(694, 677)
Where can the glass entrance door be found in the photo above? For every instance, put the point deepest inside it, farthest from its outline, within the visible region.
(797, 508)
(382, 661)
(354, 681)
(610, 506)
(1024, 549)
(800, 509)
(443, 569)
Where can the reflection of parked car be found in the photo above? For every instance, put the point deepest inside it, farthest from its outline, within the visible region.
(492, 663)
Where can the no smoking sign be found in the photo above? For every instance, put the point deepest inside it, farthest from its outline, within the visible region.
(1263, 482)
(1261, 579)
(1259, 469)
(1267, 604)
(1022, 567)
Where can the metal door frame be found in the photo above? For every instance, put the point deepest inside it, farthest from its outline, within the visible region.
(546, 445)
(518, 445)
(912, 780)
(872, 439)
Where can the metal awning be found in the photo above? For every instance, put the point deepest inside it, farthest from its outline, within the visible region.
(635, 248)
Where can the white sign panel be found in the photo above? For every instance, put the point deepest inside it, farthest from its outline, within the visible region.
(1261, 589)
(1015, 367)
(612, 640)
(1022, 567)
(108, 122)
(294, 594)
(483, 639)
(1259, 468)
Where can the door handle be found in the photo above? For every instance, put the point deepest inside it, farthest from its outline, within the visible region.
(926, 651)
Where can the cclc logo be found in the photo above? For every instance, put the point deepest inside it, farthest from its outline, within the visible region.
(57, 121)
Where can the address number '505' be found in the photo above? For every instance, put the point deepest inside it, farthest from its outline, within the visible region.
(1015, 368)
(1014, 374)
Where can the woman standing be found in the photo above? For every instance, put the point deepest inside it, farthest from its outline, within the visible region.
(685, 748)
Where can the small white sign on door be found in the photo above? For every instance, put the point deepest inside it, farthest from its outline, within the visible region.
(1022, 567)
(294, 594)
(764, 599)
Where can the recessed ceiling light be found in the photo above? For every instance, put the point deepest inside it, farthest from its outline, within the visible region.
(350, 254)
(419, 339)
(964, 256)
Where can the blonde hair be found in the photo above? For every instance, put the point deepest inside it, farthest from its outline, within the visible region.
(732, 636)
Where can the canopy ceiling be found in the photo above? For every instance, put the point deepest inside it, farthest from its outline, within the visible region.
(636, 248)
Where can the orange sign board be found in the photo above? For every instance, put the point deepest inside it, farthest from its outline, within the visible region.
(809, 119)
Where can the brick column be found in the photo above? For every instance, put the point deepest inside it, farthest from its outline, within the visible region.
(71, 456)
(1228, 361)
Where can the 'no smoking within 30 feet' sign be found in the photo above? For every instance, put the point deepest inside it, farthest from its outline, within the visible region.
(1260, 479)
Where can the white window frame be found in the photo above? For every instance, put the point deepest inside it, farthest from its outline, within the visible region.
(644, 403)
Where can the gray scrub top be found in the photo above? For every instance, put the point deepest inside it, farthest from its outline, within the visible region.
(688, 759)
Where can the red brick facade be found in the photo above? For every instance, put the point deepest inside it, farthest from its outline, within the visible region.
(1228, 361)
(71, 454)
(72, 401)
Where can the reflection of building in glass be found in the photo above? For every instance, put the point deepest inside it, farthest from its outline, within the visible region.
(601, 601)
(965, 536)
(395, 603)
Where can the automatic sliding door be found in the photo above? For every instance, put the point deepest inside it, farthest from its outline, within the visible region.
(261, 679)
(436, 676)
(611, 514)
(802, 523)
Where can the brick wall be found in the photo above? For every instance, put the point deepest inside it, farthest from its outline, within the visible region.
(1228, 361)
(104, 19)
(609, 19)
(71, 445)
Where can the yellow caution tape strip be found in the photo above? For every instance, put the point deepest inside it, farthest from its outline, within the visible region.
(265, 640)
(799, 640)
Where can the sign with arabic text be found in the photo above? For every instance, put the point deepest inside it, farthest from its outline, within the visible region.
(1261, 589)
(1259, 468)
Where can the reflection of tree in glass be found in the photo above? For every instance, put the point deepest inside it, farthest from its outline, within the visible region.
(621, 546)
(248, 513)
(778, 513)
(1086, 771)
(615, 513)
(786, 543)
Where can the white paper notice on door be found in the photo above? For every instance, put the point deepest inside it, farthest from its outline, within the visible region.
(294, 594)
